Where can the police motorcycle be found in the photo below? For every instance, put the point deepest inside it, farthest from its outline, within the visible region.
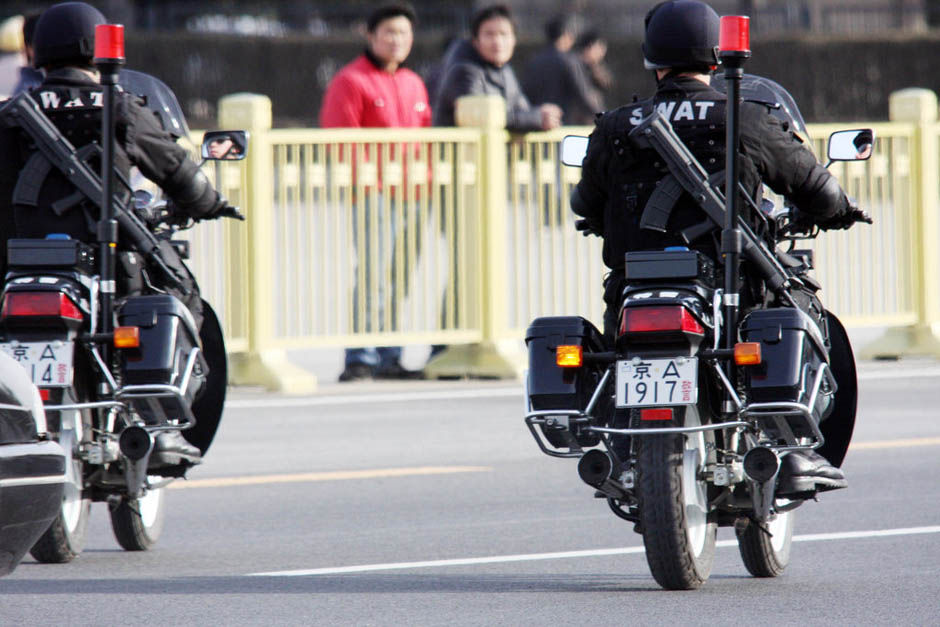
(118, 358)
(682, 422)
(32, 466)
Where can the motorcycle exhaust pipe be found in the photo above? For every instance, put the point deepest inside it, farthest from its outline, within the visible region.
(761, 464)
(594, 469)
(135, 443)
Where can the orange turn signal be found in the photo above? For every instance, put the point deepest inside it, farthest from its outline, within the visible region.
(747, 353)
(569, 356)
(127, 337)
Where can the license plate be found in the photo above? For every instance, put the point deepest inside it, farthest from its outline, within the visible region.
(657, 382)
(49, 364)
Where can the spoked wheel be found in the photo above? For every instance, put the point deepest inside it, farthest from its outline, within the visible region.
(137, 523)
(766, 549)
(65, 537)
(678, 530)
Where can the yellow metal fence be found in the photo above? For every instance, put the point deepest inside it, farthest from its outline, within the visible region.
(359, 237)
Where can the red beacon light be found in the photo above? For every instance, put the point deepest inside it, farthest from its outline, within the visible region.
(735, 36)
(109, 43)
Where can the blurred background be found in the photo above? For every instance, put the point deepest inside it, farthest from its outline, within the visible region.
(839, 58)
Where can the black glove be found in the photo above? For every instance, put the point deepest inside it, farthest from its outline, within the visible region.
(846, 219)
(587, 227)
(228, 211)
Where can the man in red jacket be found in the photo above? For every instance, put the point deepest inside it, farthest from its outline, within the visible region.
(374, 90)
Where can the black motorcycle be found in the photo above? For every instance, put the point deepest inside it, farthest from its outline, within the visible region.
(679, 430)
(109, 394)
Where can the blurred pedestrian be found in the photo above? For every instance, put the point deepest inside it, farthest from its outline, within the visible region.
(481, 66)
(555, 74)
(375, 90)
(12, 57)
(30, 76)
(591, 50)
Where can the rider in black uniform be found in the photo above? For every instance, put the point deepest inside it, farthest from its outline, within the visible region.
(617, 180)
(71, 96)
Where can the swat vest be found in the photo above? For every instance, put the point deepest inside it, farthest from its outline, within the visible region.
(698, 117)
(49, 203)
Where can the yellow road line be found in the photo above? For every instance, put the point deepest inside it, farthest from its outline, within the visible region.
(339, 475)
(863, 446)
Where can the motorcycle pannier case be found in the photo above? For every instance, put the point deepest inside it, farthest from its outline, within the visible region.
(167, 339)
(792, 353)
(554, 387)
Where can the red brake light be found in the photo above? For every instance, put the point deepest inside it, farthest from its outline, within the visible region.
(655, 319)
(40, 304)
(655, 414)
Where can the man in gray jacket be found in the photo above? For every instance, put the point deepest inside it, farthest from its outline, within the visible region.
(481, 66)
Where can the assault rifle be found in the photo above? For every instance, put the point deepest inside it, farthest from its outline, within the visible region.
(657, 133)
(55, 151)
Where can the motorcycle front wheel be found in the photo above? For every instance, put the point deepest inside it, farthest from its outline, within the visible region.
(137, 523)
(766, 551)
(678, 530)
(64, 540)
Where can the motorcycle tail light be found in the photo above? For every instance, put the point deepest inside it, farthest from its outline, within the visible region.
(659, 319)
(44, 394)
(47, 304)
(127, 337)
(569, 356)
(655, 414)
(747, 353)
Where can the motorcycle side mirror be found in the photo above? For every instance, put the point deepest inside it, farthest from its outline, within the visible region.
(573, 150)
(854, 145)
(225, 145)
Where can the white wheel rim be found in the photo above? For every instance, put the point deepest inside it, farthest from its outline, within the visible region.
(778, 529)
(149, 507)
(70, 435)
(694, 494)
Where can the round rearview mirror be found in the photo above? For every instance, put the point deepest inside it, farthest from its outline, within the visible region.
(573, 150)
(225, 145)
(854, 145)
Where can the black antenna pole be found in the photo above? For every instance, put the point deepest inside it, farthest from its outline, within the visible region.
(734, 46)
(109, 57)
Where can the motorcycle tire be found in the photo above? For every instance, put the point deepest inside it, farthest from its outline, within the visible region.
(766, 551)
(138, 523)
(64, 540)
(678, 530)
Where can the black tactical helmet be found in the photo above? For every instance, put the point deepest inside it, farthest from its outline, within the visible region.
(681, 34)
(65, 35)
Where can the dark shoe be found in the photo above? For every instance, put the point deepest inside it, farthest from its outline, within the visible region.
(803, 473)
(170, 448)
(397, 371)
(354, 372)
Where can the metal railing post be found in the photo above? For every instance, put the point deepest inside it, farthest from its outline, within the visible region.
(261, 364)
(919, 106)
(499, 355)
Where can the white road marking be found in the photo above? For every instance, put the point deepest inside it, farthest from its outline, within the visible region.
(531, 557)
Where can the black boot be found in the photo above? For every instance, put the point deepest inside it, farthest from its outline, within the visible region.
(804, 473)
(170, 448)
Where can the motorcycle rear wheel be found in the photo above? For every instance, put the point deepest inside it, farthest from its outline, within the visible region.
(138, 523)
(766, 552)
(64, 540)
(678, 530)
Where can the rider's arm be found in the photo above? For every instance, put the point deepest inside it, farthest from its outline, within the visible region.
(589, 197)
(790, 168)
(166, 163)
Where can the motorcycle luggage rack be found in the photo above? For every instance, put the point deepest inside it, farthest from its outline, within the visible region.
(777, 412)
(168, 399)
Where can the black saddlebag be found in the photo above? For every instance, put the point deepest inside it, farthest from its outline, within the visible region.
(793, 349)
(168, 337)
(552, 387)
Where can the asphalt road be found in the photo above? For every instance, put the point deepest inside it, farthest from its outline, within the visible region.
(429, 504)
